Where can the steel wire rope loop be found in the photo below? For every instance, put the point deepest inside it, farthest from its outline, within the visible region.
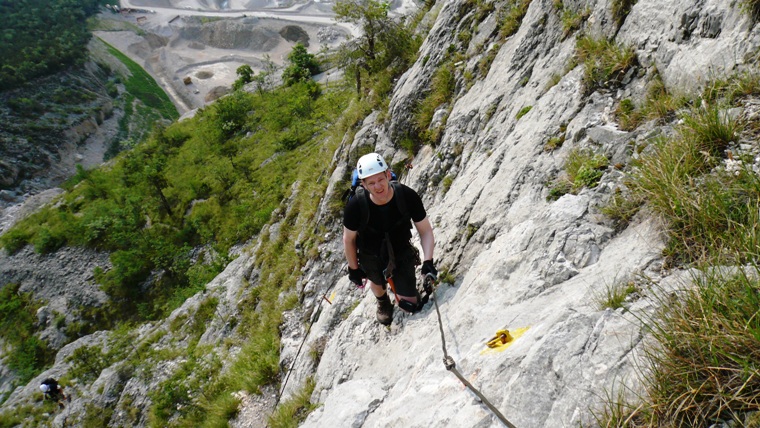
(451, 366)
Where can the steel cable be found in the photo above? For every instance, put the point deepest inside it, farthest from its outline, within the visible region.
(450, 365)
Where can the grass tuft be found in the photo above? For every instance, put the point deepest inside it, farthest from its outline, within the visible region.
(294, 411)
(614, 295)
(511, 17)
(583, 168)
(604, 62)
(621, 9)
(523, 111)
(703, 366)
(706, 364)
(752, 8)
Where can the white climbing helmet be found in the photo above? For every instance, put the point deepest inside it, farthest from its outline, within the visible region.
(44, 388)
(370, 164)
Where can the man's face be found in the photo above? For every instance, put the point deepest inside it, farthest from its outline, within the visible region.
(377, 184)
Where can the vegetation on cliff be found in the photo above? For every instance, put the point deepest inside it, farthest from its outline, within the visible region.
(42, 37)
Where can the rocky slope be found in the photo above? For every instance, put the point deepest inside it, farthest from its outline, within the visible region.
(518, 260)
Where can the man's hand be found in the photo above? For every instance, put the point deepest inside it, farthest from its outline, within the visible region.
(429, 268)
(356, 275)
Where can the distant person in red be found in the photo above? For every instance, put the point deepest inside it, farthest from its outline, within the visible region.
(52, 391)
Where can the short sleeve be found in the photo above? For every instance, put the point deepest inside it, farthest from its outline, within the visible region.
(351, 214)
(414, 205)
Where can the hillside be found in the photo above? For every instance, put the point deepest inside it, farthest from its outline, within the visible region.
(83, 115)
(590, 169)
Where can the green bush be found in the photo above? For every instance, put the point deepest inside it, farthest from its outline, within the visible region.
(484, 65)
(732, 88)
(96, 416)
(701, 368)
(47, 242)
(446, 184)
(28, 355)
(659, 104)
(15, 239)
(554, 143)
(583, 168)
(87, 362)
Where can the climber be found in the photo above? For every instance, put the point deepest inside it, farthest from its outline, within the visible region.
(377, 236)
(53, 391)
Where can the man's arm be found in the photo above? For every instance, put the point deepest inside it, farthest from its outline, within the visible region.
(349, 247)
(427, 240)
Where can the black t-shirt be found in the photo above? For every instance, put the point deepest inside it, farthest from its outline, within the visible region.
(384, 218)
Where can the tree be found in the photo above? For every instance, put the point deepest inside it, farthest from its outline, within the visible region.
(384, 41)
(245, 75)
(265, 79)
(302, 65)
(371, 15)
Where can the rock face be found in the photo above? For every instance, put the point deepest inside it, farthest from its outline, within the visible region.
(46, 125)
(516, 259)
(521, 262)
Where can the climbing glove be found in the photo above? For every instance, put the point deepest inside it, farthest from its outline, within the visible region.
(429, 268)
(356, 275)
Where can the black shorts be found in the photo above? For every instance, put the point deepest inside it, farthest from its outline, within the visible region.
(404, 278)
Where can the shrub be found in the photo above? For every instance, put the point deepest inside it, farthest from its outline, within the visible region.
(47, 241)
(554, 143)
(659, 104)
(96, 416)
(446, 276)
(732, 88)
(87, 362)
(553, 81)
(627, 115)
(446, 184)
(28, 355)
(15, 239)
(584, 168)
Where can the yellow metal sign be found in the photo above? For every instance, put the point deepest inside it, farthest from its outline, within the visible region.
(503, 340)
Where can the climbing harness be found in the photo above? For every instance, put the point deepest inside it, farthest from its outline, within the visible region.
(406, 305)
(451, 366)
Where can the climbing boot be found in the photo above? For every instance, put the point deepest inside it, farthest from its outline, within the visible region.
(384, 310)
